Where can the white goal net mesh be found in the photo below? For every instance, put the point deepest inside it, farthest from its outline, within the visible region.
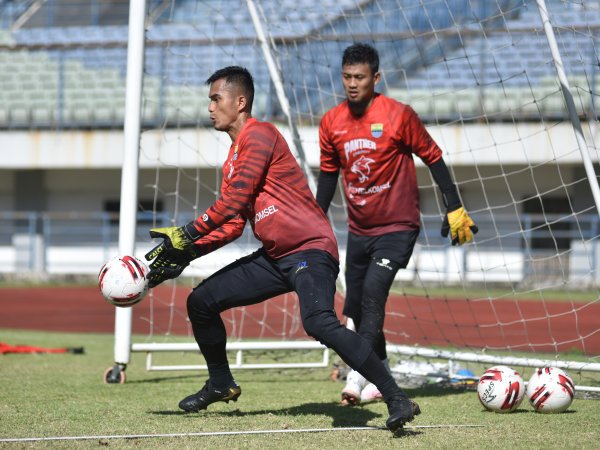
(482, 77)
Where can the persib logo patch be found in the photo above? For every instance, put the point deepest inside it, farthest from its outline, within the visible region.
(376, 130)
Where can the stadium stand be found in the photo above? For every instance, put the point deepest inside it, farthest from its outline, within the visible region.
(74, 76)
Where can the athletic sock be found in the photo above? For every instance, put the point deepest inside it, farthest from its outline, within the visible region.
(218, 366)
(220, 375)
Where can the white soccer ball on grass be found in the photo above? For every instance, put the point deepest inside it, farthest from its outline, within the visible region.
(550, 390)
(501, 389)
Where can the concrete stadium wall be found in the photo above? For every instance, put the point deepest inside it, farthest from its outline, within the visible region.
(81, 170)
(463, 145)
(496, 166)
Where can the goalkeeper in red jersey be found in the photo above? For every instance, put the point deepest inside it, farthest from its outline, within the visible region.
(263, 185)
(370, 139)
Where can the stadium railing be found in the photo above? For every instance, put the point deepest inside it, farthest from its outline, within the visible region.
(61, 244)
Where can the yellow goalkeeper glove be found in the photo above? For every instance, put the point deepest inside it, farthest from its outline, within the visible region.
(173, 238)
(172, 255)
(164, 272)
(460, 225)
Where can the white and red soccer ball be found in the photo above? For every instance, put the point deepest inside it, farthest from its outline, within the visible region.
(550, 390)
(501, 389)
(122, 280)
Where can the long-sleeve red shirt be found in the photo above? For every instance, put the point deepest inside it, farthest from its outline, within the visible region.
(263, 184)
(374, 153)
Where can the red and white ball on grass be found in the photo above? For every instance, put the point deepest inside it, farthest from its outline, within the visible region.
(501, 389)
(123, 280)
(550, 390)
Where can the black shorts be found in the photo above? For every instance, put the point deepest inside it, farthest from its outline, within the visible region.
(397, 246)
(257, 277)
(365, 255)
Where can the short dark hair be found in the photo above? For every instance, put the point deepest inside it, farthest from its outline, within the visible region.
(359, 53)
(239, 76)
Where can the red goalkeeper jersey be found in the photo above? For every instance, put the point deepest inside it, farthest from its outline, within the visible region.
(374, 153)
(263, 184)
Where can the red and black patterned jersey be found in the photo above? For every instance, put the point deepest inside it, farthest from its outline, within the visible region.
(263, 184)
(374, 153)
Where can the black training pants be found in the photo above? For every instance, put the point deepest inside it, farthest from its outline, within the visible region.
(257, 277)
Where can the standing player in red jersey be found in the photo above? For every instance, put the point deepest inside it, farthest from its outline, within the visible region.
(263, 184)
(371, 138)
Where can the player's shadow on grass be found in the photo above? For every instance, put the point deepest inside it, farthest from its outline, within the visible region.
(516, 411)
(436, 391)
(166, 378)
(341, 416)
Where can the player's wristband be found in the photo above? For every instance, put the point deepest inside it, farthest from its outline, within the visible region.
(191, 231)
(451, 199)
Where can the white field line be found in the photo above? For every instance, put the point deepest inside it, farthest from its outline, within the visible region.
(222, 433)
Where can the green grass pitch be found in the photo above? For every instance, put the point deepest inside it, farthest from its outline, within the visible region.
(62, 395)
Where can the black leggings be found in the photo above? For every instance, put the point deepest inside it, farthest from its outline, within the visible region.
(257, 277)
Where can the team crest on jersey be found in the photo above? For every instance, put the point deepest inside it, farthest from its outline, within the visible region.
(235, 153)
(376, 130)
(362, 168)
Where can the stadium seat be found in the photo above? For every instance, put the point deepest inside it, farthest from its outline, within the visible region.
(80, 112)
(554, 104)
(19, 115)
(4, 115)
(42, 112)
(97, 71)
(444, 106)
(103, 112)
(468, 102)
(150, 111)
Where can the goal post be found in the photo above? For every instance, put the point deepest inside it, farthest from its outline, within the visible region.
(510, 128)
(571, 108)
(129, 178)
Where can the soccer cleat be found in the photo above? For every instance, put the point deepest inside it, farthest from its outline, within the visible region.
(354, 385)
(209, 394)
(402, 410)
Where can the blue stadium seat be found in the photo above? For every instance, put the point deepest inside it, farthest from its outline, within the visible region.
(179, 56)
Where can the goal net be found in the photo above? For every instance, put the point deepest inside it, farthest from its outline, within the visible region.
(508, 89)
